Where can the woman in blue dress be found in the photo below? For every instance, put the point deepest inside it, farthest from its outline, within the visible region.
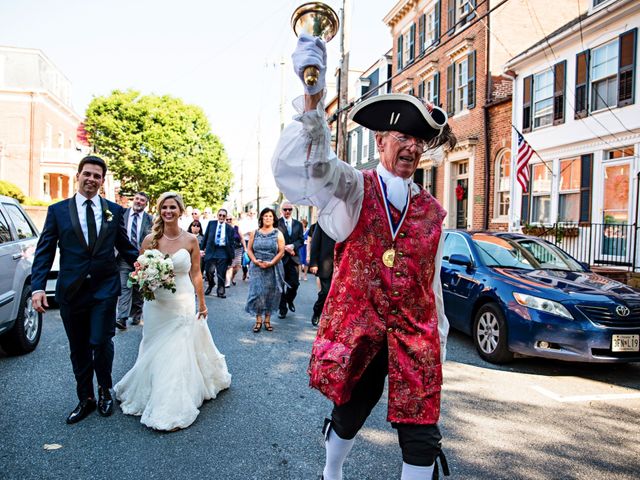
(266, 273)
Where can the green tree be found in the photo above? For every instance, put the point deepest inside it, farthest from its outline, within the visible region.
(159, 144)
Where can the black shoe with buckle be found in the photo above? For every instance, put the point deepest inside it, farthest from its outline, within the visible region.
(84, 408)
(105, 402)
(121, 323)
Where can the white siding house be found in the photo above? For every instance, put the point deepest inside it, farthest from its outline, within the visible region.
(577, 103)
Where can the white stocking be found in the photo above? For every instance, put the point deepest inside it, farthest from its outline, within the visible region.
(414, 472)
(337, 450)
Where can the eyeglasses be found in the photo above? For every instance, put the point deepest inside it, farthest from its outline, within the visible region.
(194, 213)
(221, 215)
(408, 141)
(287, 209)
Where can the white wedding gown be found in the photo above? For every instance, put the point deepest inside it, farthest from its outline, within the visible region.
(178, 365)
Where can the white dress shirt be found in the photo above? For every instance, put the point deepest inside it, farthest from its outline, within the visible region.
(221, 226)
(82, 214)
(315, 176)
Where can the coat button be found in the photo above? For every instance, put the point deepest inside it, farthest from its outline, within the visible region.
(398, 274)
(390, 329)
(396, 293)
(394, 311)
(400, 254)
(402, 234)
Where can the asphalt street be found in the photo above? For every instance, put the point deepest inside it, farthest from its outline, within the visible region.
(532, 419)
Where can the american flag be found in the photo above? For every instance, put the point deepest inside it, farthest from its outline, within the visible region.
(525, 152)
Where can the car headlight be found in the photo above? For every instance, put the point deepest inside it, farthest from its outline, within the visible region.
(543, 304)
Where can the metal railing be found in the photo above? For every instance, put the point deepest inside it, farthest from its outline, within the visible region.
(601, 244)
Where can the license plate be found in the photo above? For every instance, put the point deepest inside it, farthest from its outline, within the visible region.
(625, 343)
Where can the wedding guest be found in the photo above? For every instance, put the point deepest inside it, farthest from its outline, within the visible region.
(236, 263)
(138, 223)
(196, 228)
(293, 236)
(266, 279)
(303, 253)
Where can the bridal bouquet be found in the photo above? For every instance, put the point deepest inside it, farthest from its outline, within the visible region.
(153, 270)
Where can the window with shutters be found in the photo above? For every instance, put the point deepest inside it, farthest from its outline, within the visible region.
(408, 47)
(353, 151)
(365, 145)
(432, 26)
(503, 184)
(543, 99)
(432, 87)
(603, 75)
(462, 85)
(541, 194)
(569, 190)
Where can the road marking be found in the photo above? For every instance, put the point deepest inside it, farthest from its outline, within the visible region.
(584, 398)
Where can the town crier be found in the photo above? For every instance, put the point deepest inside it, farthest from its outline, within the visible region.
(384, 314)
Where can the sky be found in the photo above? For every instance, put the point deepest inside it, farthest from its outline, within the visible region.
(224, 56)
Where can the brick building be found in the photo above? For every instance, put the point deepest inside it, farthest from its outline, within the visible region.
(452, 54)
(39, 151)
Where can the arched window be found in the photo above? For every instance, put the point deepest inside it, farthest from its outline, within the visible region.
(503, 184)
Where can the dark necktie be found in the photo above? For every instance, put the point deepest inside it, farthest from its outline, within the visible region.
(91, 224)
(134, 230)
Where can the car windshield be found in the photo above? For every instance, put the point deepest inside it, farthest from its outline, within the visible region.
(525, 253)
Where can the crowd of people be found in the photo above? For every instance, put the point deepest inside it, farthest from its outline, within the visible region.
(376, 249)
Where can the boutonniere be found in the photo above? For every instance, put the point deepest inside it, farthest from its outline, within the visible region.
(108, 215)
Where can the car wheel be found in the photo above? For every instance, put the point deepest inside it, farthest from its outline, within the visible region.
(25, 334)
(490, 334)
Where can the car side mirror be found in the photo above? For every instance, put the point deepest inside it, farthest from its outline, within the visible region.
(459, 259)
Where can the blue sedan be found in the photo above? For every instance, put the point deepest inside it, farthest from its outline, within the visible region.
(516, 294)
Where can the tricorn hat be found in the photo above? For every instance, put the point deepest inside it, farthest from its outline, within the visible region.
(400, 112)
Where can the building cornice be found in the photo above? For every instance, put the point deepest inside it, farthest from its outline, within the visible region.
(461, 48)
(428, 69)
(398, 12)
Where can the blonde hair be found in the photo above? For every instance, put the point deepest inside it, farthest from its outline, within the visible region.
(158, 224)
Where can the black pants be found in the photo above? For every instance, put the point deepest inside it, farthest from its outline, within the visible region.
(420, 444)
(90, 326)
(291, 277)
(325, 285)
(217, 266)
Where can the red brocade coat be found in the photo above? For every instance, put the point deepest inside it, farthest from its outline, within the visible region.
(370, 303)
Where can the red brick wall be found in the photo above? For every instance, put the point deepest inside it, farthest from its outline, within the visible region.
(499, 140)
(468, 126)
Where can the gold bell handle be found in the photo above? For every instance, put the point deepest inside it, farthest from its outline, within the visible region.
(311, 74)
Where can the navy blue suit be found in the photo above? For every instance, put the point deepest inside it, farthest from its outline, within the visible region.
(88, 285)
(218, 257)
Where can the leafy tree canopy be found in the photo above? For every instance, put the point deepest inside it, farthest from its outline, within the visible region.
(158, 144)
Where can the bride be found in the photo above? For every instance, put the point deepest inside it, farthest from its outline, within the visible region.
(178, 365)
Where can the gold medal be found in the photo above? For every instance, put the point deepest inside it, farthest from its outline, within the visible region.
(388, 257)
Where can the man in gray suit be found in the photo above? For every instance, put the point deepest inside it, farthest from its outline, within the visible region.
(138, 223)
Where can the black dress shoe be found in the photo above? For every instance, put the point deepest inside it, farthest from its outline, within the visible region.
(84, 408)
(208, 290)
(135, 321)
(105, 402)
(121, 323)
(315, 320)
(222, 295)
(282, 313)
(291, 306)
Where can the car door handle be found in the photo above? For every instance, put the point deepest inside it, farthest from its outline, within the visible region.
(17, 256)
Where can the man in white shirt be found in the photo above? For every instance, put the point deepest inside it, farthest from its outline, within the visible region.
(384, 315)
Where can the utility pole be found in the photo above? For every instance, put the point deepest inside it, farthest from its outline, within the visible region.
(258, 172)
(343, 94)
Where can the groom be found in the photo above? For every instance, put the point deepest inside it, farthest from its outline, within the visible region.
(88, 230)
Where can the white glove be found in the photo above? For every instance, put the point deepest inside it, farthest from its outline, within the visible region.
(310, 51)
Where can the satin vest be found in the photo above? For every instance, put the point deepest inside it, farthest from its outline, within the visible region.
(372, 306)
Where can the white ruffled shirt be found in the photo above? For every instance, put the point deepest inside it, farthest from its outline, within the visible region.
(335, 187)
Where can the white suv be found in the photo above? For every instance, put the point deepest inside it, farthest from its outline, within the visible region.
(20, 324)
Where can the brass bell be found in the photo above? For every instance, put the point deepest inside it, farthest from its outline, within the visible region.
(319, 20)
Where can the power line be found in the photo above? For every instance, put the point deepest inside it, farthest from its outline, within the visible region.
(425, 57)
